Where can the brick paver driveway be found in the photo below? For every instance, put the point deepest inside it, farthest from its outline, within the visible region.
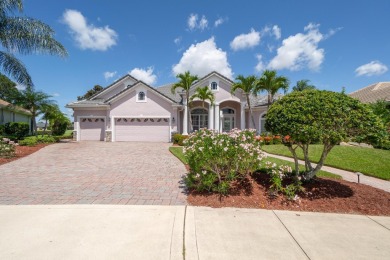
(95, 173)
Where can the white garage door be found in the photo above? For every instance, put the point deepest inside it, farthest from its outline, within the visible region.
(92, 129)
(142, 129)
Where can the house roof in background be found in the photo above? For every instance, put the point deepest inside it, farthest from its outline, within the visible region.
(373, 93)
(11, 107)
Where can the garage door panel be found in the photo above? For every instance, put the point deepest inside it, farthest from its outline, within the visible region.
(145, 130)
(92, 129)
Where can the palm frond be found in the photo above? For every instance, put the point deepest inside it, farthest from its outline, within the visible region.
(29, 36)
(15, 68)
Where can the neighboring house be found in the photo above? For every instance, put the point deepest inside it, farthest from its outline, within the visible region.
(11, 113)
(131, 110)
(373, 93)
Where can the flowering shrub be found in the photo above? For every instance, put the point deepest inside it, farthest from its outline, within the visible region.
(217, 159)
(283, 180)
(7, 148)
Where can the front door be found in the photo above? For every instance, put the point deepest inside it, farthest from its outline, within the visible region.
(228, 123)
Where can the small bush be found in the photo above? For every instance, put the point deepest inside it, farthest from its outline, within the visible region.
(28, 141)
(7, 149)
(2, 129)
(59, 128)
(179, 139)
(17, 129)
(277, 139)
(215, 160)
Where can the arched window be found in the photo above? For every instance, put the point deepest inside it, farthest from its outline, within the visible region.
(214, 86)
(141, 96)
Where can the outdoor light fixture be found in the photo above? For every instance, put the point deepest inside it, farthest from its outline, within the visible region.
(173, 120)
(358, 175)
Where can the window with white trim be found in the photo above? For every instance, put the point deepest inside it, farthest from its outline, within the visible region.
(141, 96)
(214, 85)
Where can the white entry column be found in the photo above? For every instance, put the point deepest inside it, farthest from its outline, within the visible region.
(211, 116)
(217, 118)
(185, 119)
(242, 115)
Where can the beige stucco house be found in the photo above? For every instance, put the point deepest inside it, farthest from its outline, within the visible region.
(131, 110)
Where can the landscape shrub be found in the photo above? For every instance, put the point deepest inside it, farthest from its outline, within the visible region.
(17, 129)
(2, 129)
(59, 128)
(218, 159)
(179, 139)
(41, 139)
(7, 148)
(283, 180)
(277, 139)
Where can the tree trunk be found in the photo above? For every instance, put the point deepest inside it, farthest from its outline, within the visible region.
(292, 150)
(44, 129)
(309, 175)
(250, 111)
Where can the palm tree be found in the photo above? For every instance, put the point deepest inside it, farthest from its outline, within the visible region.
(203, 94)
(35, 102)
(271, 83)
(248, 86)
(23, 35)
(303, 85)
(50, 112)
(185, 82)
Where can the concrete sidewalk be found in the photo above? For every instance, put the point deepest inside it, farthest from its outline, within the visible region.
(156, 232)
(346, 175)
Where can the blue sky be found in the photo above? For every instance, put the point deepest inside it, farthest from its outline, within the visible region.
(331, 43)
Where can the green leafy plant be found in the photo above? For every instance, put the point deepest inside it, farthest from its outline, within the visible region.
(7, 148)
(217, 159)
(312, 116)
(17, 129)
(179, 139)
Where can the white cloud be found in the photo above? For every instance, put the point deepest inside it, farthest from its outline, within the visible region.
(219, 22)
(277, 32)
(88, 36)
(300, 50)
(203, 58)
(55, 94)
(177, 40)
(260, 64)
(203, 23)
(20, 87)
(245, 41)
(371, 69)
(193, 23)
(146, 76)
(107, 75)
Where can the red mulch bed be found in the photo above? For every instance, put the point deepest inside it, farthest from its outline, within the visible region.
(22, 151)
(320, 195)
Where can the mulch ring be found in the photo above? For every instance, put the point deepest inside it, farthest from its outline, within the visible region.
(320, 195)
(22, 151)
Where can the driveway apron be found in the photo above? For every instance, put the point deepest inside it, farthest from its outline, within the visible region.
(95, 173)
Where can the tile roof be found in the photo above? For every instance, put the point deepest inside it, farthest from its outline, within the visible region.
(166, 91)
(373, 93)
(4, 103)
(86, 102)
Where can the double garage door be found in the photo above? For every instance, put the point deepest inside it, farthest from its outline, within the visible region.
(142, 129)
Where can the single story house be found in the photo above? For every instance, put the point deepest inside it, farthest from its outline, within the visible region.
(373, 93)
(12, 113)
(131, 110)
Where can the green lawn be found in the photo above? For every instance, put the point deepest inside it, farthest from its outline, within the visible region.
(373, 162)
(178, 152)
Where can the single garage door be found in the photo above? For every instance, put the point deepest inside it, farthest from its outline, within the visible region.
(142, 129)
(92, 129)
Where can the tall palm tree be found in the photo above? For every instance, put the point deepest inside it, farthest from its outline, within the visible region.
(303, 85)
(49, 113)
(185, 82)
(23, 35)
(248, 87)
(203, 94)
(35, 102)
(272, 83)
